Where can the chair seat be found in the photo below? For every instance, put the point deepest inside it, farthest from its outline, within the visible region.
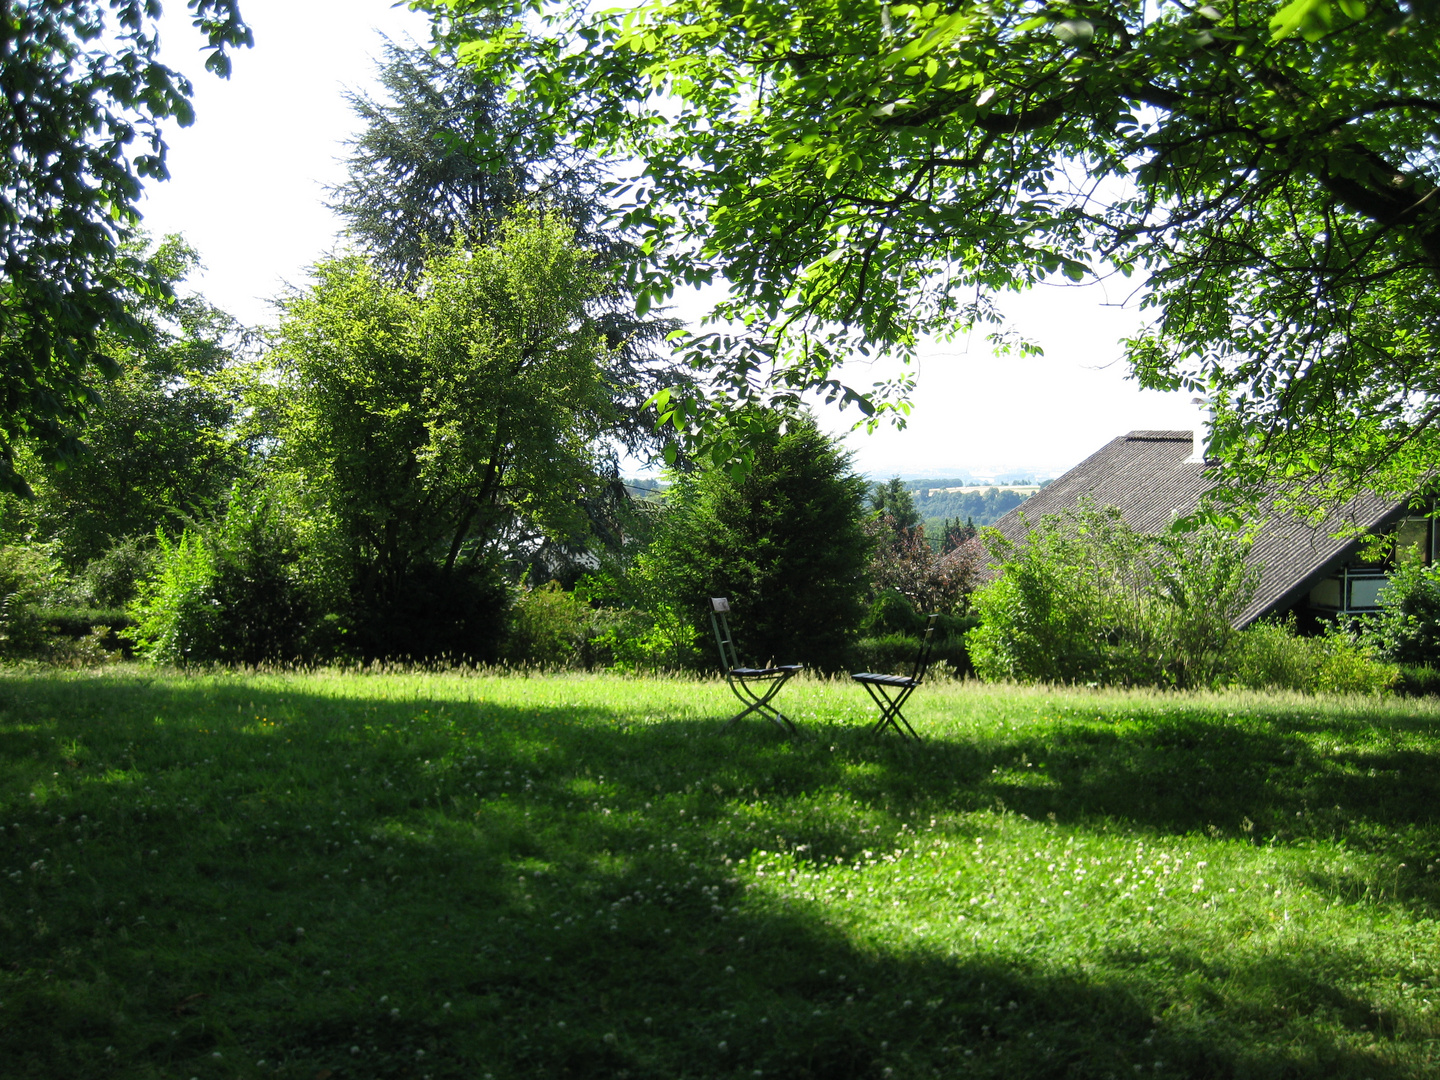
(885, 680)
(756, 673)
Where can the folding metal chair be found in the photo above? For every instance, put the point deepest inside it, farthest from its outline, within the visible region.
(755, 687)
(890, 692)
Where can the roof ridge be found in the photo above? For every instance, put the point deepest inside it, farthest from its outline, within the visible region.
(1161, 435)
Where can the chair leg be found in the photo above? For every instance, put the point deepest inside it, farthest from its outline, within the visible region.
(761, 703)
(890, 711)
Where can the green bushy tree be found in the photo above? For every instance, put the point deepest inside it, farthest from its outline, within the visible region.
(431, 426)
(786, 544)
(865, 176)
(416, 186)
(86, 101)
(158, 445)
(234, 592)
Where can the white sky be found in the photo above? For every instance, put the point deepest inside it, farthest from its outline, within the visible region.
(247, 191)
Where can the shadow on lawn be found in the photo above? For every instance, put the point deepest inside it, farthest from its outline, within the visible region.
(440, 851)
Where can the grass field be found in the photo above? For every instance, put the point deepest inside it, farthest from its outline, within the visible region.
(336, 876)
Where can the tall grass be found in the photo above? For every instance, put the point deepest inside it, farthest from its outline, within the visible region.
(391, 875)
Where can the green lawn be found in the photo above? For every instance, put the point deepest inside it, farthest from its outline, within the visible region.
(336, 876)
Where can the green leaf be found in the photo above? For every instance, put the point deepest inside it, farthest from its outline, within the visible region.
(1075, 31)
(1314, 18)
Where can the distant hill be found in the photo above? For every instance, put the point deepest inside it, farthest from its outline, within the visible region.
(643, 488)
(941, 500)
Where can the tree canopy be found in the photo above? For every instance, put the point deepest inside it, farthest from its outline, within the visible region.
(863, 175)
(418, 184)
(425, 420)
(159, 445)
(85, 100)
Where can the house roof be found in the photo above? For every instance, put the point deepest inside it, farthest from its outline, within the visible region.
(1148, 477)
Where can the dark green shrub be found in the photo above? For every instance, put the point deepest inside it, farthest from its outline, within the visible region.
(1417, 681)
(111, 580)
(894, 654)
(891, 612)
(29, 576)
(77, 622)
(435, 615)
(235, 593)
(785, 544)
(955, 627)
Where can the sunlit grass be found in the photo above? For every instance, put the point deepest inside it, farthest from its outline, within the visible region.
(420, 875)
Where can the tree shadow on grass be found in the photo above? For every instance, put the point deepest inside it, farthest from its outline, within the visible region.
(377, 888)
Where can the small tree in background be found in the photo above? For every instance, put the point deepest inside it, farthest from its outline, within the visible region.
(932, 581)
(786, 544)
(954, 535)
(893, 504)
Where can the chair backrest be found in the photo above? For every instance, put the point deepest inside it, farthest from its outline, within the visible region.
(927, 646)
(720, 623)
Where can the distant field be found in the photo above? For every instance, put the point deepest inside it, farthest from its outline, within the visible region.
(334, 876)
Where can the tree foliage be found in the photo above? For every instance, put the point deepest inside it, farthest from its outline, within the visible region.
(1406, 629)
(863, 175)
(893, 503)
(785, 544)
(159, 445)
(416, 182)
(903, 560)
(427, 424)
(85, 101)
(418, 185)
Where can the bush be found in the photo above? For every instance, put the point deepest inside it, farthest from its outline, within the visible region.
(549, 627)
(894, 654)
(1418, 681)
(112, 580)
(230, 594)
(891, 612)
(660, 639)
(176, 616)
(433, 615)
(1271, 656)
(29, 577)
(1406, 629)
(1085, 598)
